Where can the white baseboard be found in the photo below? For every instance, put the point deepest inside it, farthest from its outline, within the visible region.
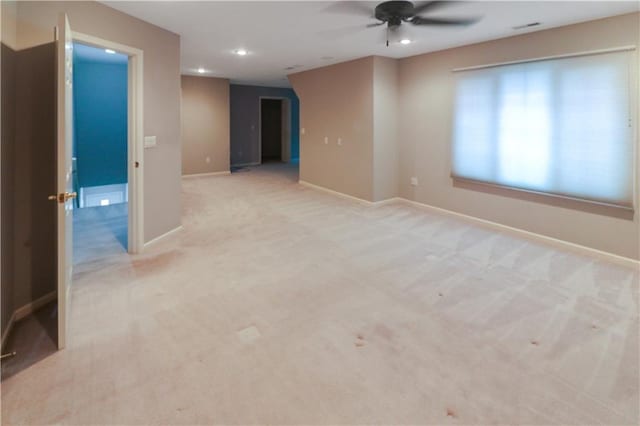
(336, 193)
(161, 237)
(26, 310)
(7, 330)
(196, 175)
(31, 307)
(246, 164)
(562, 244)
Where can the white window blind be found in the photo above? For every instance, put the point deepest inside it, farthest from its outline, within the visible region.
(559, 126)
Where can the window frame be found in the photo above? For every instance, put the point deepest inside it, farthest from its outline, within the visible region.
(634, 76)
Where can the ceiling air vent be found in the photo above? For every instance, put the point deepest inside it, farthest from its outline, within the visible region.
(531, 24)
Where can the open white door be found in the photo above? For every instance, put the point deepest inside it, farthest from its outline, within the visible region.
(64, 45)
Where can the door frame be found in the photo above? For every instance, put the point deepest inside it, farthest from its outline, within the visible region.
(135, 135)
(286, 138)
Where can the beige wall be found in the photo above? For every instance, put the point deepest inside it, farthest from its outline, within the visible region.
(8, 64)
(337, 102)
(162, 165)
(34, 224)
(385, 129)
(426, 91)
(395, 131)
(9, 10)
(205, 125)
(28, 172)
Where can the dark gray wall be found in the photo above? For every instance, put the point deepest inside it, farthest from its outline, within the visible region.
(8, 183)
(245, 102)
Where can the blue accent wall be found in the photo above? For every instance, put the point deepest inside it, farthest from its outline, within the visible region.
(245, 111)
(100, 122)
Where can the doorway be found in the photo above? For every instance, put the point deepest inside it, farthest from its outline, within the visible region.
(33, 327)
(275, 130)
(115, 180)
(100, 146)
(133, 192)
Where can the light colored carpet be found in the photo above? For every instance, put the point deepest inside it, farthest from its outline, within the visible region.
(278, 304)
(99, 232)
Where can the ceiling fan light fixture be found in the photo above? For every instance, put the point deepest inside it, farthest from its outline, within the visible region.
(201, 70)
(241, 52)
(405, 41)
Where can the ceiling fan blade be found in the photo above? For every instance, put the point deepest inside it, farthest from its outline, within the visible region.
(344, 7)
(428, 6)
(376, 24)
(419, 20)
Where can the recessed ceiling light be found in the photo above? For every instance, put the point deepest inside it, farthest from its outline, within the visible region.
(241, 52)
(109, 51)
(201, 70)
(405, 41)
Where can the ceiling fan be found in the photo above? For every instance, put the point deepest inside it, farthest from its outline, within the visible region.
(394, 13)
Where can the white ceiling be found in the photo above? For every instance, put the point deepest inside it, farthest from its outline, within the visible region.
(308, 34)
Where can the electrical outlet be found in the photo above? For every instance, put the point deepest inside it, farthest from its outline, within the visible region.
(302, 131)
(326, 140)
(208, 159)
(414, 181)
(339, 141)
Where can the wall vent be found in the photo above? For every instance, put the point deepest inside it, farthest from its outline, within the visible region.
(531, 24)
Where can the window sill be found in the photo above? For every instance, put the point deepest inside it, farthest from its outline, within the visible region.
(555, 200)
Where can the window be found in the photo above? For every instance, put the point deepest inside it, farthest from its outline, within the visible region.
(558, 126)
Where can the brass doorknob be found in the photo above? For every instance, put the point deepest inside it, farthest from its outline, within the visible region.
(63, 197)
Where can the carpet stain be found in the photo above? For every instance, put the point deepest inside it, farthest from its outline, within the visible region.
(451, 413)
(384, 332)
(155, 263)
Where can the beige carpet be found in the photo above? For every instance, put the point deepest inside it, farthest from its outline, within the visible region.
(278, 304)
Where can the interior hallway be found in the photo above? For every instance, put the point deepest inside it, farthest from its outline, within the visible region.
(281, 304)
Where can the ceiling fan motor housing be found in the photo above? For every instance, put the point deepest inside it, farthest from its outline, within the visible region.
(394, 12)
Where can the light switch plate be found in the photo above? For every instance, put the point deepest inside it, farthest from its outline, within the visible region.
(150, 142)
